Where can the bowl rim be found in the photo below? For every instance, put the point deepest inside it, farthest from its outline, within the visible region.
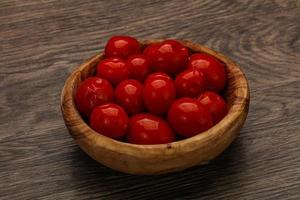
(240, 104)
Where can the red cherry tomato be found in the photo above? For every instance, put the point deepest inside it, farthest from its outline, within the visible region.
(149, 129)
(212, 69)
(173, 43)
(189, 83)
(157, 75)
(139, 67)
(109, 120)
(215, 104)
(92, 92)
(129, 94)
(114, 70)
(151, 49)
(188, 117)
(122, 47)
(169, 57)
(158, 94)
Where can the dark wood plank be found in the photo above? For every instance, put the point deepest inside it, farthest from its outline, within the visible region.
(42, 41)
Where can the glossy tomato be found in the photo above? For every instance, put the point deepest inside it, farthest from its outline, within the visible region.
(151, 49)
(157, 75)
(139, 67)
(169, 56)
(215, 104)
(213, 70)
(158, 94)
(109, 120)
(122, 47)
(188, 117)
(189, 83)
(129, 94)
(114, 70)
(149, 129)
(92, 92)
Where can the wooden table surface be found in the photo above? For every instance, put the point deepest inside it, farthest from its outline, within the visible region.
(42, 41)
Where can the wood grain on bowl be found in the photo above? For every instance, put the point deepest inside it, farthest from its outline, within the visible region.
(163, 158)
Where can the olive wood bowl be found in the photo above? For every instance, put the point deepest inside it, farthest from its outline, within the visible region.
(161, 158)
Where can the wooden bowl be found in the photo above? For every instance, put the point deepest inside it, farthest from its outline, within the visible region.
(162, 158)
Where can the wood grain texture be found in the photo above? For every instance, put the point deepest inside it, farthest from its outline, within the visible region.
(42, 41)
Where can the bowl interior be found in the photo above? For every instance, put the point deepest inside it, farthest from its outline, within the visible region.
(230, 67)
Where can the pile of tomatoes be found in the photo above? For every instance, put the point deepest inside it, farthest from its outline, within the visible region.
(154, 95)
